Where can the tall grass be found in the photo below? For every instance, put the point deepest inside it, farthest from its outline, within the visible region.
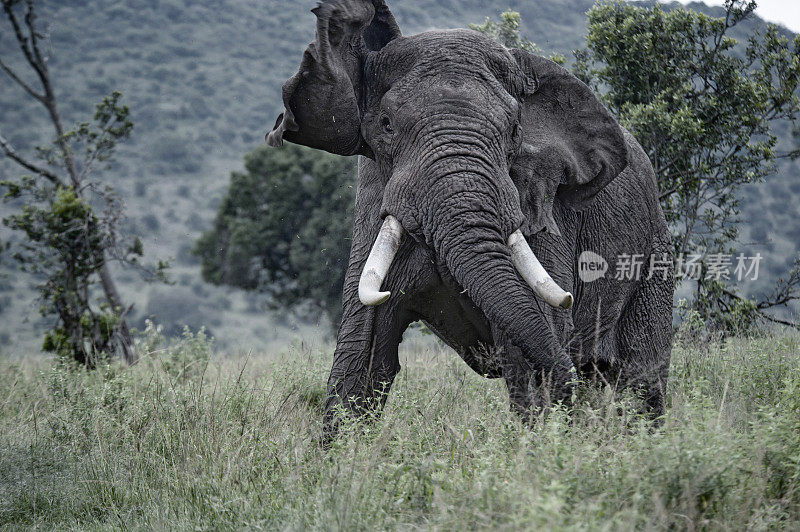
(188, 439)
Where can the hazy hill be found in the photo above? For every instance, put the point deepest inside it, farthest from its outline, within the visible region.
(203, 79)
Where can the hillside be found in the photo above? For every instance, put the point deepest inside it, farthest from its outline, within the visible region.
(202, 78)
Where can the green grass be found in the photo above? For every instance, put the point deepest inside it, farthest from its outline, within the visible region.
(193, 440)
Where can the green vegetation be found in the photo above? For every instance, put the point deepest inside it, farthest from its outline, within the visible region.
(506, 32)
(706, 113)
(189, 440)
(285, 227)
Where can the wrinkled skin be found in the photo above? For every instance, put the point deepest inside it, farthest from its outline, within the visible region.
(464, 142)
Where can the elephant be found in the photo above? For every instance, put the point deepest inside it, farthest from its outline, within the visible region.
(486, 176)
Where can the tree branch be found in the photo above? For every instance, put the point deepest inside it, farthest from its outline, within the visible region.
(21, 39)
(30, 19)
(794, 154)
(30, 48)
(669, 192)
(760, 311)
(781, 322)
(12, 154)
(21, 82)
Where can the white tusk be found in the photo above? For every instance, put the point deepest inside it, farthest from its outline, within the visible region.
(531, 270)
(380, 259)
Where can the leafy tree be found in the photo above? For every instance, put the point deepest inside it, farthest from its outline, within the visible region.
(70, 222)
(507, 33)
(705, 108)
(285, 227)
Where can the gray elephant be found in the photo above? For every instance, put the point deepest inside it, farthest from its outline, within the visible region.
(485, 173)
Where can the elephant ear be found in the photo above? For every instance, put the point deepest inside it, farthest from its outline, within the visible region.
(323, 100)
(572, 146)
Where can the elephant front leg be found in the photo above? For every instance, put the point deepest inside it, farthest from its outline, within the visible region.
(365, 363)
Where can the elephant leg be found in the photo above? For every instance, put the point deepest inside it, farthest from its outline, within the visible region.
(595, 352)
(644, 340)
(365, 363)
(518, 379)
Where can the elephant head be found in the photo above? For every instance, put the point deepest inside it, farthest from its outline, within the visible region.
(475, 141)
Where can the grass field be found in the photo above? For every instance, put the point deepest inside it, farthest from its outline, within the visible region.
(190, 439)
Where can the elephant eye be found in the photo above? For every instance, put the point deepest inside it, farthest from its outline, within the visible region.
(386, 124)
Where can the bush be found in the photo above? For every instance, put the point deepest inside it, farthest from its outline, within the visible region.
(285, 227)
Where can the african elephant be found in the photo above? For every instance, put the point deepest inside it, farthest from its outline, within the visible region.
(484, 173)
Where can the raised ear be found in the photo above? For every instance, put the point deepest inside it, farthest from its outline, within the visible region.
(572, 145)
(323, 100)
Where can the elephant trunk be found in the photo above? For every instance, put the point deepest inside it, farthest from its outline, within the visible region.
(472, 245)
(496, 277)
